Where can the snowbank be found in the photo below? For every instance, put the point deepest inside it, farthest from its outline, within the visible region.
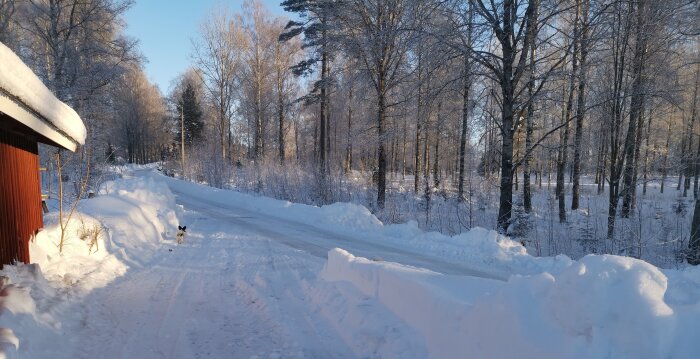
(480, 248)
(124, 225)
(598, 307)
(33, 304)
(18, 301)
(140, 214)
(19, 80)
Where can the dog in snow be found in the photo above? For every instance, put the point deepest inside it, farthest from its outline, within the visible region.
(180, 234)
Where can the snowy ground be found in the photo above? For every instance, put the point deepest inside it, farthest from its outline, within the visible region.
(261, 278)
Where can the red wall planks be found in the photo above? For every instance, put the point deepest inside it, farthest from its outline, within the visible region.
(20, 196)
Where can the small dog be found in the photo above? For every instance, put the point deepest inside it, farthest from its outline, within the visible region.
(180, 234)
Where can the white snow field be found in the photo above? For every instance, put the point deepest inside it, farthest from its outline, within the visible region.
(261, 278)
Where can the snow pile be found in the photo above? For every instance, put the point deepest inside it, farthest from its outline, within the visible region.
(124, 225)
(16, 300)
(139, 213)
(85, 262)
(598, 307)
(27, 306)
(347, 215)
(19, 80)
(480, 248)
(364, 324)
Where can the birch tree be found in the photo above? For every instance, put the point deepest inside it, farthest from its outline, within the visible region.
(217, 56)
(378, 35)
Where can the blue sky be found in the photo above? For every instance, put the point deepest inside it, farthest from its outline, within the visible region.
(165, 29)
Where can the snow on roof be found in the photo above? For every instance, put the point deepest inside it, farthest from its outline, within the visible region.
(19, 84)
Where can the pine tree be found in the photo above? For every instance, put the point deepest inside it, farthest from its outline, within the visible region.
(189, 108)
(315, 28)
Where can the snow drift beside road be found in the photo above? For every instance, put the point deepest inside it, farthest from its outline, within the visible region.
(598, 307)
(124, 225)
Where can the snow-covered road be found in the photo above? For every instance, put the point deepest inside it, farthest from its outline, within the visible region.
(226, 292)
(243, 285)
(313, 239)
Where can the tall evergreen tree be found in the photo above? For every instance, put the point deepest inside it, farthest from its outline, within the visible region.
(189, 110)
(315, 27)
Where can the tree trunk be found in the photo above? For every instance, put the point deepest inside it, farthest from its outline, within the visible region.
(436, 161)
(636, 109)
(280, 116)
(463, 140)
(322, 161)
(694, 242)
(693, 116)
(296, 143)
(507, 116)
(403, 158)
(688, 165)
(620, 41)
(426, 175)
(664, 166)
(563, 147)
(464, 129)
(419, 125)
(561, 167)
(581, 103)
(381, 133)
(527, 192)
(562, 157)
(696, 171)
(348, 146)
(646, 154)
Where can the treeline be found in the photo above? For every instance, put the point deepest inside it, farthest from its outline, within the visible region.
(557, 88)
(520, 93)
(516, 90)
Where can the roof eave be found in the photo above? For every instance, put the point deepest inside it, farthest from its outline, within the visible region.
(36, 122)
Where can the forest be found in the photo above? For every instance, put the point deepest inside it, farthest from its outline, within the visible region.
(569, 125)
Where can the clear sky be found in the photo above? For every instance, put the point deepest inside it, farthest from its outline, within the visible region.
(165, 29)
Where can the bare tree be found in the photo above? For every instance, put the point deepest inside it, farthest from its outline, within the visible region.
(508, 21)
(582, 7)
(286, 54)
(217, 55)
(377, 35)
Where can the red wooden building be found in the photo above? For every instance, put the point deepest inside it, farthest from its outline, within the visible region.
(29, 115)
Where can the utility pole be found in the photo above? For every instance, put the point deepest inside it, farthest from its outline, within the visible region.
(182, 140)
